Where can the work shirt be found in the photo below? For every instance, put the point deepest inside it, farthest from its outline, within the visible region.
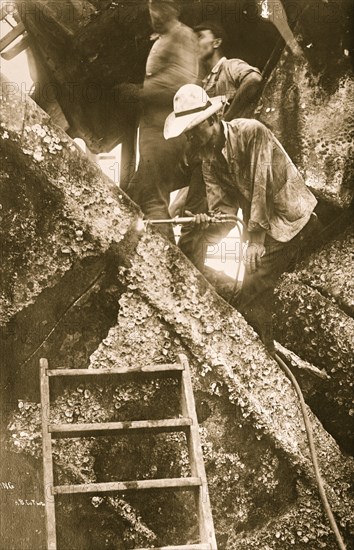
(254, 172)
(172, 62)
(226, 77)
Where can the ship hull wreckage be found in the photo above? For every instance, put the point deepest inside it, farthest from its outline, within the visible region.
(82, 287)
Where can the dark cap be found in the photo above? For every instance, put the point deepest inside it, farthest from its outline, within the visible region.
(215, 28)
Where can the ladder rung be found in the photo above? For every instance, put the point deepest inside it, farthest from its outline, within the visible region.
(77, 430)
(167, 367)
(10, 53)
(168, 483)
(200, 546)
(11, 36)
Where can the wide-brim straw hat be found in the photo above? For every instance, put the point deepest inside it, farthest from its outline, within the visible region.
(191, 106)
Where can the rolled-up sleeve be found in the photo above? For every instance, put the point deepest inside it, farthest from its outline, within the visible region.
(239, 70)
(260, 173)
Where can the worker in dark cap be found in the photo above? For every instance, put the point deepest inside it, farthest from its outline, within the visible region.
(233, 78)
(240, 84)
(172, 62)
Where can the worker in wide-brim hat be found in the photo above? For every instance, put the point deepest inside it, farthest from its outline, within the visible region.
(191, 105)
(244, 166)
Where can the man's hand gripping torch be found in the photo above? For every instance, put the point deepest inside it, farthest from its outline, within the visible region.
(209, 218)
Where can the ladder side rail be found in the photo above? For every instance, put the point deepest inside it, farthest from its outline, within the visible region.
(47, 458)
(206, 524)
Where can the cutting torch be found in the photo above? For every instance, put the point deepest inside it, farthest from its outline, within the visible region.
(212, 217)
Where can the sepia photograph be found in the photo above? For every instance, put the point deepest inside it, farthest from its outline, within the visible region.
(177, 274)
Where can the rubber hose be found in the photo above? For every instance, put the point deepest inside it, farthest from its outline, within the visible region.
(308, 427)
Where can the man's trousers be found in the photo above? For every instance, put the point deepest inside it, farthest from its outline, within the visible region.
(159, 173)
(256, 300)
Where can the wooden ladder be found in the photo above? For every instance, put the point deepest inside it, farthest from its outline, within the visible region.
(188, 423)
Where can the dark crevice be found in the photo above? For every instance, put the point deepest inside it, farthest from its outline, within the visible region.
(65, 324)
(233, 464)
(330, 399)
(325, 294)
